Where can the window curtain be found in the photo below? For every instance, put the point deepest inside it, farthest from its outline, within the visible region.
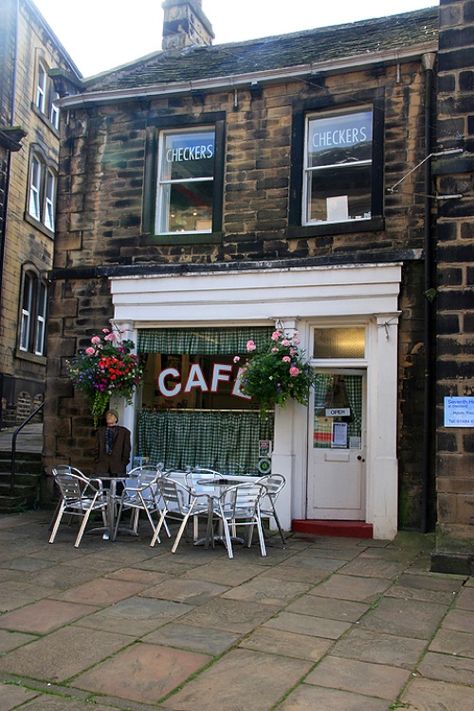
(225, 441)
(201, 341)
(354, 395)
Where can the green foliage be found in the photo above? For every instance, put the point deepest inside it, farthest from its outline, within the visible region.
(278, 373)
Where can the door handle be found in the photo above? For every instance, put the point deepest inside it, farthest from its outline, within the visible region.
(360, 458)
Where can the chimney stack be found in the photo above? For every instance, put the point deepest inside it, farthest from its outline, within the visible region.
(185, 25)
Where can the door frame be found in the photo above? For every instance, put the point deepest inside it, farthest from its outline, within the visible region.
(340, 370)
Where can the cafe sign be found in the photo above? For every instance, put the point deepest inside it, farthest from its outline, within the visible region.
(171, 383)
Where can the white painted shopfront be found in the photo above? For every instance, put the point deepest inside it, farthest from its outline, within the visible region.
(358, 481)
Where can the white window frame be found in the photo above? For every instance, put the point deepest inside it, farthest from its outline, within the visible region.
(26, 307)
(54, 110)
(41, 86)
(34, 198)
(41, 318)
(307, 171)
(49, 199)
(162, 219)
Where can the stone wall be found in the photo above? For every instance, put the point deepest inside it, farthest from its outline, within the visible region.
(455, 299)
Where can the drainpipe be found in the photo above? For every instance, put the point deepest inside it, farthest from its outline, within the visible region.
(429, 415)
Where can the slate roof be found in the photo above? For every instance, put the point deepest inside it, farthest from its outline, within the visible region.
(276, 52)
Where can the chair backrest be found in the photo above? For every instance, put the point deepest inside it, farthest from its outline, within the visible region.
(175, 495)
(274, 483)
(242, 499)
(195, 476)
(179, 475)
(71, 482)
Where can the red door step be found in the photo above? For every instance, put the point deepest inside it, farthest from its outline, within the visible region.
(326, 527)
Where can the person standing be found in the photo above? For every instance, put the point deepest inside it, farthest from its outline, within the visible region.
(112, 447)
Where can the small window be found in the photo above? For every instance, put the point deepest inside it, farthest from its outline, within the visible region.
(34, 303)
(41, 88)
(337, 185)
(34, 202)
(339, 343)
(54, 110)
(42, 191)
(185, 181)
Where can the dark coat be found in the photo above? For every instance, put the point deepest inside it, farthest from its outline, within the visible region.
(116, 462)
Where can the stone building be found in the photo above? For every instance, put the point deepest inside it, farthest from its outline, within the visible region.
(209, 194)
(29, 153)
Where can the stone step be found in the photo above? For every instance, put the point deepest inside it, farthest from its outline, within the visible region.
(24, 462)
(326, 527)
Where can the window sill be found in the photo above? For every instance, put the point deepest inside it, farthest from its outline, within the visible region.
(340, 228)
(39, 225)
(179, 238)
(30, 357)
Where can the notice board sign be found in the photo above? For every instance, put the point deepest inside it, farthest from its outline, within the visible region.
(459, 411)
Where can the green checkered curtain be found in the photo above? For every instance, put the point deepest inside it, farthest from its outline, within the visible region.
(225, 441)
(354, 395)
(201, 341)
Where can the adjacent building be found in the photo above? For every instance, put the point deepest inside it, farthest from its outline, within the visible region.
(29, 154)
(210, 194)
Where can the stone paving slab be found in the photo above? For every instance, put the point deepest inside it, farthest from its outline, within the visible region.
(54, 703)
(453, 642)
(27, 563)
(12, 640)
(377, 680)
(196, 639)
(429, 695)
(373, 568)
(304, 624)
(459, 621)
(143, 672)
(295, 573)
(379, 647)
(136, 575)
(50, 658)
(350, 587)
(406, 618)
(316, 698)
(224, 573)
(325, 607)
(62, 577)
(229, 615)
(101, 591)
(12, 696)
(465, 600)
(44, 616)
(287, 644)
(243, 679)
(135, 616)
(14, 594)
(194, 592)
(447, 667)
(267, 591)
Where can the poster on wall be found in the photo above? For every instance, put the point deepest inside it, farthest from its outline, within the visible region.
(459, 411)
(339, 435)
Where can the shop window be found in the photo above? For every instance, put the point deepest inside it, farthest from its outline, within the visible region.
(184, 180)
(337, 166)
(42, 192)
(32, 314)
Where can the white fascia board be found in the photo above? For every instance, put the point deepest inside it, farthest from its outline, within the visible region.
(265, 295)
(404, 54)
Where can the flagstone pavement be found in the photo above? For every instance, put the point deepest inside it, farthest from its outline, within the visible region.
(327, 624)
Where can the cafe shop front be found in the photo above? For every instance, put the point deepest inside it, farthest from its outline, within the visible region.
(338, 454)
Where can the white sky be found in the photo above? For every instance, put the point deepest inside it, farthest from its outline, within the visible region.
(102, 34)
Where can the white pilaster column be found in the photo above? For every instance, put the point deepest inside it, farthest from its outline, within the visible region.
(127, 411)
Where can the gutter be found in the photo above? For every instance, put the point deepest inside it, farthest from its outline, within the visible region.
(414, 52)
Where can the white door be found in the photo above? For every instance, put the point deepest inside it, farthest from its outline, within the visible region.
(336, 446)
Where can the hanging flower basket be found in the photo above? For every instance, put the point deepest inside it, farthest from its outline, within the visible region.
(107, 367)
(278, 373)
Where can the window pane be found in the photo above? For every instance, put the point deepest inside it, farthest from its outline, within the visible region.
(54, 111)
(187, 207)
(49, 200)
(340, 139)
(339, 342)
(343, 392)
(41, 89)
(340, 194)
(188, 155)
(26, 302)
(35, 182)
(41, 319)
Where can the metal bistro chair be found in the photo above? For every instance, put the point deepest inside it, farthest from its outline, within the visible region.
(80, 496)
(193, 478)
(273, 483)
(180, 503)
(141, 493)
(239, 505)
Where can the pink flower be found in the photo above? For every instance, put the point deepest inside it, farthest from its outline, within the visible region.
(286, 359)
(251, 346)
(90, 351)
(293, 351)
(105, 330)
(285, 342)
(296, 341)
(274, 350)
(95, 340)
(276, 335)
(236, 359)
(110, 336)
(294, 371)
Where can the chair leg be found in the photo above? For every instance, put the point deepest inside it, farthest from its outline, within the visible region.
(180, 532)
(57, 522)
(156, 535)
(228, 540)
(261, 538)
(83, 526)
(117, 521)
(277, 521)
